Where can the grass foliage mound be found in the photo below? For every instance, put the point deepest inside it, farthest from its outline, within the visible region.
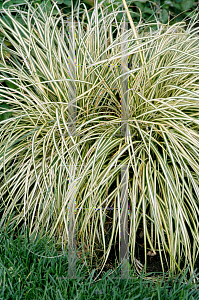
(55, 68)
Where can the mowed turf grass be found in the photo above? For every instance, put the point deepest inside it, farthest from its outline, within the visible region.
(39, 270)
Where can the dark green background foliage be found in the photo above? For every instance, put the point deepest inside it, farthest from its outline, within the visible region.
(3, 114)
(160, 10)
(150, 10)
(167, 9)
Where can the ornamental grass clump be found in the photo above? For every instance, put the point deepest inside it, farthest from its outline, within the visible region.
(54, 67)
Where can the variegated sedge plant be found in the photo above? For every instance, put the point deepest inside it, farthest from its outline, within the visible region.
(44, 170)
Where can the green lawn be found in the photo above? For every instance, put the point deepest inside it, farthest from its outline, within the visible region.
(35, 270)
